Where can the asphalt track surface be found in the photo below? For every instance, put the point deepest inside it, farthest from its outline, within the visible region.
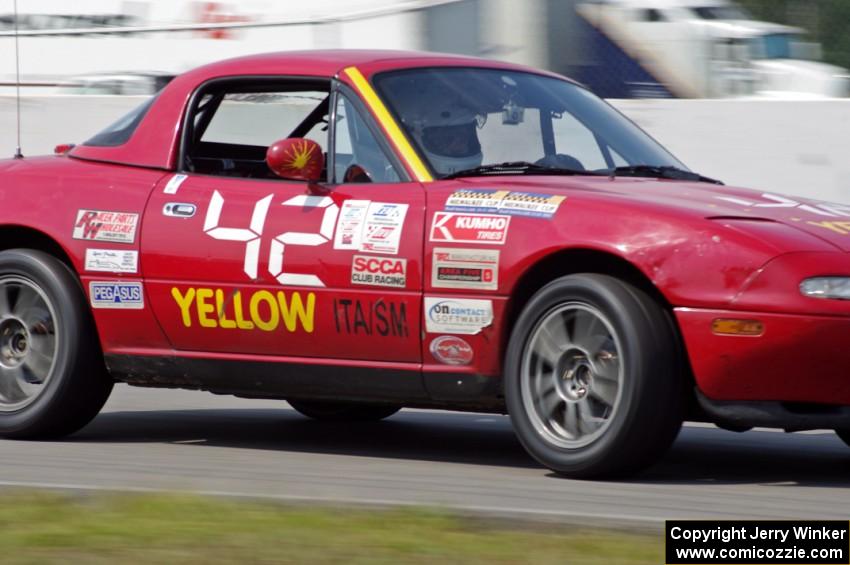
(199, 442)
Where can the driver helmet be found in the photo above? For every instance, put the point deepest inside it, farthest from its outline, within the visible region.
(449, 138)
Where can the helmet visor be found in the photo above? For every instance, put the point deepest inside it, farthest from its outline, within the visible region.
(452, 141)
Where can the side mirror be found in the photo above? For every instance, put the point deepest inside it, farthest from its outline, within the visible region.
(296, 158)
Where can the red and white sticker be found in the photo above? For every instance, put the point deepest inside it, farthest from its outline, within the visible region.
(470, 228)
(373, 227)
(452, 350)
(465, 268)
(349, 226)
(382, 230)
(99, 225)
(379, 271)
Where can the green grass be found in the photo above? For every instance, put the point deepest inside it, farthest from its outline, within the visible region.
(37, 527)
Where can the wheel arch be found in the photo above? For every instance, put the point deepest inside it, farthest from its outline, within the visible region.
(575, 260)
(14, 236)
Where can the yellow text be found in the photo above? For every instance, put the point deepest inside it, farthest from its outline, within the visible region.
(263, 310)
(842, 228)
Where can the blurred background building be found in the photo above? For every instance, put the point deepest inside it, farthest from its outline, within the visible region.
(754, 92)
(620, 48)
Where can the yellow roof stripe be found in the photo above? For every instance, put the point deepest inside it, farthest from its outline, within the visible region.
(414, 163)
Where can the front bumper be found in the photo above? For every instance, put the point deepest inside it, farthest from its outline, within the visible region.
(797, 360)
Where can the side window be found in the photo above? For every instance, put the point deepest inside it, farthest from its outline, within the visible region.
(234, 124)
(574, 139)
(358, 157)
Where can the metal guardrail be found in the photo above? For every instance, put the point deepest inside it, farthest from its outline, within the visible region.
(30, 84)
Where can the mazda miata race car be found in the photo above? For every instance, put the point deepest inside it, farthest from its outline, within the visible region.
(360, 231)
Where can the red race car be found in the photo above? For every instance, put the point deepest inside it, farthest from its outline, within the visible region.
(358, 231)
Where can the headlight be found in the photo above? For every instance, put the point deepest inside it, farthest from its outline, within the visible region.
(837, 288)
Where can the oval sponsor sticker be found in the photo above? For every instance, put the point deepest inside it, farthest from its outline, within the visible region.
(451, 350)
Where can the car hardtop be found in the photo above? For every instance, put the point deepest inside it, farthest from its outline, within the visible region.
(155, 142)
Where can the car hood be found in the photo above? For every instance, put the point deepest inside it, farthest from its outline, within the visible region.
(827, 221)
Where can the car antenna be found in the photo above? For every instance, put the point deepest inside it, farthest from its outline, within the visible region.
(18, 154)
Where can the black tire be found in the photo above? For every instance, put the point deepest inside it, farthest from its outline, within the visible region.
(844, 435)
(78, 385)
(649, 403)
(343, 411)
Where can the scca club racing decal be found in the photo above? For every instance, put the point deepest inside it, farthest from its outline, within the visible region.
(373, 227)
(117, 295)
(457, 315)
(465, 268)
(98, 225)
(470, 228)
(506, 202)
(363, 317)
(452, 350)
(261, 310)
(379, 271)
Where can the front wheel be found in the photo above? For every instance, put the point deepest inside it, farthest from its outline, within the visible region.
(592, 377)
(343, 411)
(52, 377)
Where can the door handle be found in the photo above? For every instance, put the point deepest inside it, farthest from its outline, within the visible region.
(179, 210)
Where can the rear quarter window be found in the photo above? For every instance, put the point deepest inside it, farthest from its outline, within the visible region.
(122, 130)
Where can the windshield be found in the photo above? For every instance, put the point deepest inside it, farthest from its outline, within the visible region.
(463, 118)
(773, 46)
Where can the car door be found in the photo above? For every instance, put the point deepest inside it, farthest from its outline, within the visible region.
(239, 262)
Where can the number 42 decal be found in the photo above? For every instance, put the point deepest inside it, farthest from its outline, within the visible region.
(252, 235)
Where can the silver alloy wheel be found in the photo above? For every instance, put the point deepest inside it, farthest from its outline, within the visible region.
(28, 342)
(572, 375)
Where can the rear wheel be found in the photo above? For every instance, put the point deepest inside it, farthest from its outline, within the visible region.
(592, 378)
(844, 435)
(52, 376)
(343, 411)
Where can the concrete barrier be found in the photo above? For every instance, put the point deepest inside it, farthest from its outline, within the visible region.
(47, 121)
(790, 147)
